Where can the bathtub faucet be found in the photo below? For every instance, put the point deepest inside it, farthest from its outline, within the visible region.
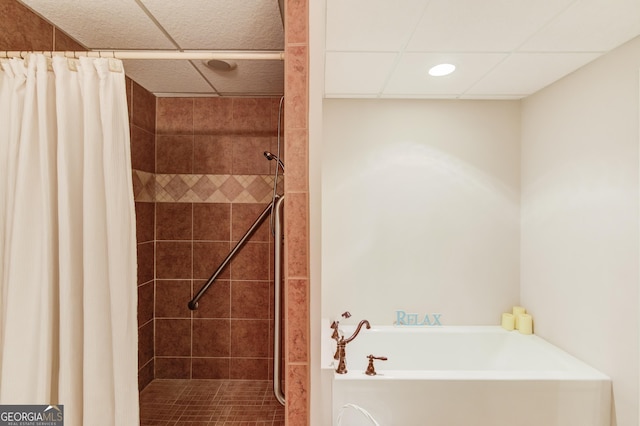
(336, 331)
(342, 344)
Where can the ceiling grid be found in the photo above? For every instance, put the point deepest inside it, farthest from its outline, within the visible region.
(502, 49)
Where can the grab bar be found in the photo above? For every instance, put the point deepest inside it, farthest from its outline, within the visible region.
(277, 279)
(193, 304)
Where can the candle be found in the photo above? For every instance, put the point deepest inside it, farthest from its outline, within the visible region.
(508, 322)
(526, 324)
(517, 310)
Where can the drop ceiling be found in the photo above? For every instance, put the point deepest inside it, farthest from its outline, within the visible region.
(503, 49)
(180, 25)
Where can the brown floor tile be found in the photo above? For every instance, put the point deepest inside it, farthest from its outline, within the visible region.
(209, 403)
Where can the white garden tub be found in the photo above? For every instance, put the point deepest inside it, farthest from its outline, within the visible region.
(467, 376)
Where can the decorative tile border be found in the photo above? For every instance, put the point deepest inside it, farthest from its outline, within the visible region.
(144, 186)
(196, 188)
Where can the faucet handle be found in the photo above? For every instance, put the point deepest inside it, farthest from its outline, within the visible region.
(371, 371)
(336, 334)
(335, 325)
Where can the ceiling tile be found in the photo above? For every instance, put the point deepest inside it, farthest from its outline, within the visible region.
(221, 24)
(374, 48)
(371, 25)
(99, 24)
(589, 26)
(257, 78)
(526, 73)
(481, 26)
(411, 76)
(166, 76)
(357, 73)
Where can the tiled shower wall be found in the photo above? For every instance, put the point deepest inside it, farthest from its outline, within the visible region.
(142, 123)
(297, 274)
(200, 180)
(21, 29)
(212, 182)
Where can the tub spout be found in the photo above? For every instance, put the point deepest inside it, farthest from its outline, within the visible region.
(341, 349)
(363, 322)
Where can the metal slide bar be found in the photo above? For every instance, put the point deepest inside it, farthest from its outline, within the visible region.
(193, 304)
(277, 389)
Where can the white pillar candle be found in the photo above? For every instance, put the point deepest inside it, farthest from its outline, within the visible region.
(517, 310)
(526, 324)
(508, 322)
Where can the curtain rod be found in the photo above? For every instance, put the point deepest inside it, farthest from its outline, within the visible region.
(157, 54)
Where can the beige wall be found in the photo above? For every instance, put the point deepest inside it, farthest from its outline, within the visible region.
(579, 274)
(574, 186)
(420, 209)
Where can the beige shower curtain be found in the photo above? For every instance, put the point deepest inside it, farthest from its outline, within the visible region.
(68, 327)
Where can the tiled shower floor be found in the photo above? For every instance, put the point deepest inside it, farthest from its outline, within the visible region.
(210, 403)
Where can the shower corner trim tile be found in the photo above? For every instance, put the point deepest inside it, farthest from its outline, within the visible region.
(198, 188)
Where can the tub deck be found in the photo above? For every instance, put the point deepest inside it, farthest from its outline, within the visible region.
(476, 376)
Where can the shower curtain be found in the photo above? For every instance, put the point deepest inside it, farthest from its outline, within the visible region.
(68, 299)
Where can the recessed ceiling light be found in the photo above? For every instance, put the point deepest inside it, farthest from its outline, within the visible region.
(441, 70)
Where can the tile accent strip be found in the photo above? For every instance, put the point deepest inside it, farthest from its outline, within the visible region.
(144, 186)
(199, 188)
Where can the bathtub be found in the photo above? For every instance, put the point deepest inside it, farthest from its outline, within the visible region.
(466, 376)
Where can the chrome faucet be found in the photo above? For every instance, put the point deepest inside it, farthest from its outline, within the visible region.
(340, 354)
